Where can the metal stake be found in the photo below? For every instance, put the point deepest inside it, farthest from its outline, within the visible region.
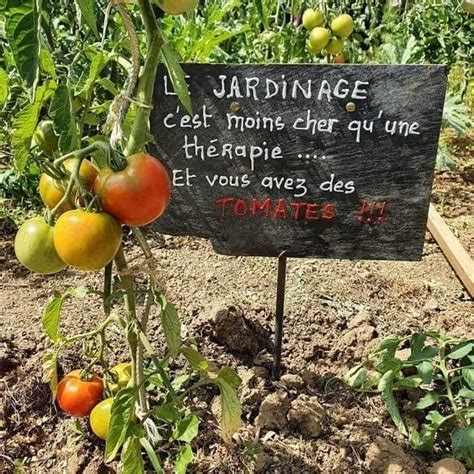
(280, 308)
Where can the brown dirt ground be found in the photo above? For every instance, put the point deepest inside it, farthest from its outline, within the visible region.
(322, 298)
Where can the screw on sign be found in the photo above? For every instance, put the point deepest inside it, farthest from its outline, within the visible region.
(325, 161)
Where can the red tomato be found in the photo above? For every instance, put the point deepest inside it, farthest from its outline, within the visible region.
(136, 195)
(78, 397)
(339, 59)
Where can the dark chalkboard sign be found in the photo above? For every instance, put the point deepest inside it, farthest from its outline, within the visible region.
(318, 160)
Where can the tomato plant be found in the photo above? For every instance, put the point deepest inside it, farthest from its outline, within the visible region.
(85, 126)
(78, 396)
(136, 195)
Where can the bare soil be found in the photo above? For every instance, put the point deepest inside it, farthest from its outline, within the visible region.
(336, 311)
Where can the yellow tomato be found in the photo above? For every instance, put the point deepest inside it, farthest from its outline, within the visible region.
(100, 418)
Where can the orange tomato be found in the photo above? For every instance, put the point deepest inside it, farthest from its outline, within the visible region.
(78, 397)
(87, 240)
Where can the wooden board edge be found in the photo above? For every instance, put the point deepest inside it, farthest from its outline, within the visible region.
(455, 253)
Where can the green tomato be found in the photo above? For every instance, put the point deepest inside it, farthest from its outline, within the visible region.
(123, 372)
(45, 138)
(312, 18)
(319, 38)
(310, 48)
(177, 7)
(342, 26)
(34, 247)
(100, 418)
(335, 46)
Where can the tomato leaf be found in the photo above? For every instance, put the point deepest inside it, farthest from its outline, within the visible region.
(25, 125)
(63, 118)
(50, 372)
(230, 408)
(196, 360)
(88, 14)
(187, 429)
(4, 86)
(22, 31)
(463, 444)
(184, 458)
(52, 312)
(152, 456)
(386, 387)
(47, 63)
(230, 376)
(171, 325)
(426, 401)
(466, 393)
(131, 458)
(171, 60)
(461, 350)
(121, 417)
(468, 375)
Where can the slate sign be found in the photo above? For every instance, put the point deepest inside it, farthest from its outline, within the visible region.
(318, 160)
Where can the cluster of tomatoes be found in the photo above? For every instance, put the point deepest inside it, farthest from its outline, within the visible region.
(80, 397)
(320, 38)
(83, 238)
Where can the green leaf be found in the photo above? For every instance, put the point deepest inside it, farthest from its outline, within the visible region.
(230, 376)
(4, 86)
(166, 412)
(356, 376)
(52, 312)
(47, 63)
(466, 393)
(22, 31)
(468, 375)
(195, 359)
(171, 325)
(131, 458)
(461, 350)
(121, 417)
(425, 371)
(184, 458)
(408, 382)
(187, 429)
(152, 456)
(50, 370)
(88, 14)
(171, 60)
(230, 408)
(430, 398)
(25, 125)
(386, 387)
(63, 117)
(463, 444)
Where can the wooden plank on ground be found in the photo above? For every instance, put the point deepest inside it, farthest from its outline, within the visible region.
(455, 253)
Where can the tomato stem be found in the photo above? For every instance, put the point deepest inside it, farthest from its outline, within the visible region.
(140, 134)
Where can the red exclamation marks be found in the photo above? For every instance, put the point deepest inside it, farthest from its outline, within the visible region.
(373, 213)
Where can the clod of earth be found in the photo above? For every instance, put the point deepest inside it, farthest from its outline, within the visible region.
(233, 331)
(307, 416)
(292, 381)
(447, 466)
(386, 457)
(273, 411)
